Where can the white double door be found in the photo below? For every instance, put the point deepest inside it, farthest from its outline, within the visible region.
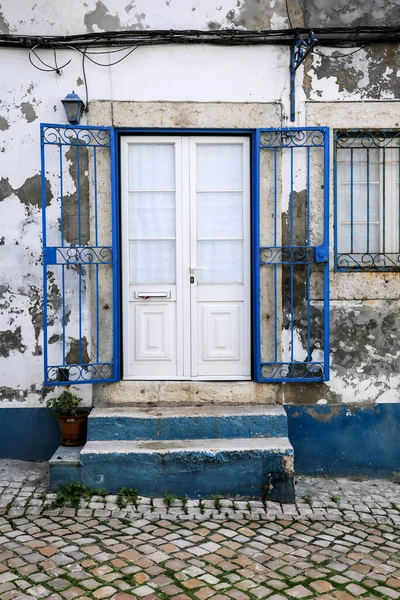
(185, 214)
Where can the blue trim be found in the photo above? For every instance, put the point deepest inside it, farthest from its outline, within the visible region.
(363, 260)
(335, 204)
(44, 241)
(326, 244)
(255, 237)
(116, 254)
(93, 372)
(273, 372)
(188, 131)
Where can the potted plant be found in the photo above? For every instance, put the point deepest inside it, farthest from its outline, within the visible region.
(72, 420)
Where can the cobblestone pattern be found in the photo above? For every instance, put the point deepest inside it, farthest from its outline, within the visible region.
(340, 540)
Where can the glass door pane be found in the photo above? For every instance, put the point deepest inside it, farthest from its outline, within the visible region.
(219, 191)
(152, 216)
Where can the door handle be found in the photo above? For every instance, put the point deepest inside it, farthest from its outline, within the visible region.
(192, 269)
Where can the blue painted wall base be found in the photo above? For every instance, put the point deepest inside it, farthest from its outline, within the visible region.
(28, 433)
(330, 440)
(340, 440)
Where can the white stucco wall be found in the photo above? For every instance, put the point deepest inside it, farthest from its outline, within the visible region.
(198, 73)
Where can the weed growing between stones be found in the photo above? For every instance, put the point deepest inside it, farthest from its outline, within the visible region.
(307, 500)
(71, 495)
(335, 499)
(217, 502)
(184, 501)
(127, 496)
(168, 500)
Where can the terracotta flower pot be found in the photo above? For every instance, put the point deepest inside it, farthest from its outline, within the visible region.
(74, 429)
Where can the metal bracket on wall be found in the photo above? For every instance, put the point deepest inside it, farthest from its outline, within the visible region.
(299, 51)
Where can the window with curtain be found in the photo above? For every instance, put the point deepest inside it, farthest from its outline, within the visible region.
(367, 197)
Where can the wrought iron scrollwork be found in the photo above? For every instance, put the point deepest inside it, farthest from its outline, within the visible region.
(368, 262)
(85, 255)
(291, 138)
(76, 136)
(295, 370)
(81, 373)
(367, 139)
(293, 255)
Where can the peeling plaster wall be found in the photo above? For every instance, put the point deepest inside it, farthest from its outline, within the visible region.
(76, 17)
(365, 342)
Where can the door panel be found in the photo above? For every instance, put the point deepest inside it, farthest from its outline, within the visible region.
(221, 325)
(187, 257)
(220, 249)
(151, 242)
(153, 334)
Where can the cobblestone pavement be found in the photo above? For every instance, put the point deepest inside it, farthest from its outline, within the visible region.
(340, 540)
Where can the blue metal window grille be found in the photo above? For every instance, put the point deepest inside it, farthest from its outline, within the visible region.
(291, 241)
(80, 254)
(367, 200)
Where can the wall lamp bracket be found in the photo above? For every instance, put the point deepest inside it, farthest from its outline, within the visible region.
(299, 50)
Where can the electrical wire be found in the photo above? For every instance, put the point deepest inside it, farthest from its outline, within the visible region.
(85, 82)
(340, 55)
(49, 68)
(327, 36)
(288, 14)
(102, 64)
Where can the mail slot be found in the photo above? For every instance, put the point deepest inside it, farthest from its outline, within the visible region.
(152, 295)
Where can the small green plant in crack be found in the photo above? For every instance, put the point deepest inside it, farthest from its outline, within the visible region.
(184, 501)
(201, 506)
(71, 495)
(307, 500)
(217, 502)
(151, 505)
(127, 496)
(234, 506)
(248, 505)
(168, 500)
(335, 498)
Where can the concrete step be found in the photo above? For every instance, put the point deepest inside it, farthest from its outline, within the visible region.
(189, 423)
(65, 466)
(240, 467)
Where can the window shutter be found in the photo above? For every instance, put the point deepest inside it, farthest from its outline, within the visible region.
(291, 251)
(80, 255)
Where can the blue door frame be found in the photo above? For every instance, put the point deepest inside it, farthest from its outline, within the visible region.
(92, 373)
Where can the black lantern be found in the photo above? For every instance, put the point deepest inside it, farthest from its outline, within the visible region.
(73, 106)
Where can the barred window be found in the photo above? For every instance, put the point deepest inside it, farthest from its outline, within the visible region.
(367, 199)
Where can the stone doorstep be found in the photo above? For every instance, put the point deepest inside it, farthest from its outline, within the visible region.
(195, 468)
(186, 422)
